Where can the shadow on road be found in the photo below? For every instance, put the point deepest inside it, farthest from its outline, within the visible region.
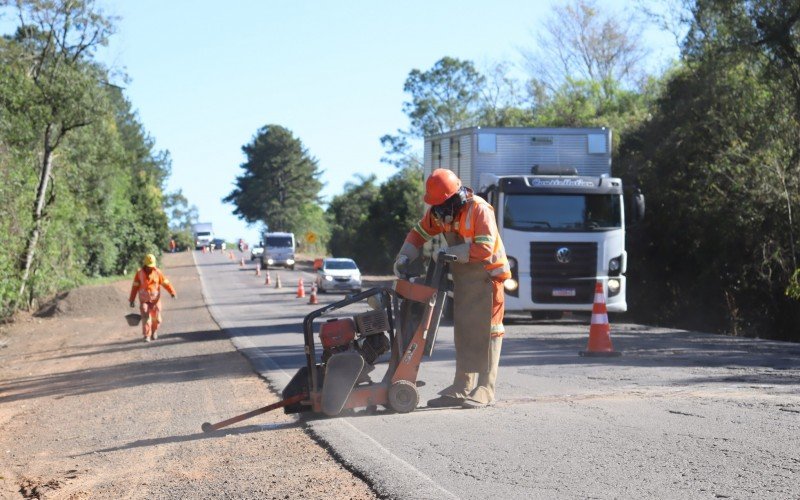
(159, 371)
(222, 433)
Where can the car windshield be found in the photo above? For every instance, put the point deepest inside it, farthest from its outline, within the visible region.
(278, 241)
(340, 264)
(562, 212)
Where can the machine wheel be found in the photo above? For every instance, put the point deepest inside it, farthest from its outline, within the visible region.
(403, 396)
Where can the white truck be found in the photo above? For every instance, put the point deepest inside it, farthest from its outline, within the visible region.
(560, 213)
(203, 234)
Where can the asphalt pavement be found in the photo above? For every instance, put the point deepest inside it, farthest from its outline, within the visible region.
(679, 415)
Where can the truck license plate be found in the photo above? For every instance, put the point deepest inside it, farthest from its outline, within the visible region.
(563, 292)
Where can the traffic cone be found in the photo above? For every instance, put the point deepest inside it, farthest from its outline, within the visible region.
(301, 290)
(278, 281)
(241, 262)
(230, 255)
(599, 330)
(312, 299)
(258, 269)
(267, 281)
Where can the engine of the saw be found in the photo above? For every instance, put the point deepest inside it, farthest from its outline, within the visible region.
(363, 334)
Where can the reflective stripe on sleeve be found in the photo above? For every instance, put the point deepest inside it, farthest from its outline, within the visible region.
(497, 330)
(485, 239)
(422, 232)
(500, 270)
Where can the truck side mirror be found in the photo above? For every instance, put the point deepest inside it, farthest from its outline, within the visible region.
(637, 207)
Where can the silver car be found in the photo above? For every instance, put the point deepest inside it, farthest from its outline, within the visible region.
(338, 274)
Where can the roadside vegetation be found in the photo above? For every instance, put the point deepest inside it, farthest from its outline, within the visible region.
(80, 181)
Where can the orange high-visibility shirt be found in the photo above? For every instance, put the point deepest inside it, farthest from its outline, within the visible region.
(148, 285)
(476, 225)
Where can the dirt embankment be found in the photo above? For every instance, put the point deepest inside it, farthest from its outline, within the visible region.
(88, 410)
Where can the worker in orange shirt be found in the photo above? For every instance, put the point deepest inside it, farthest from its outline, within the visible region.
(147, 285)
(468, 225)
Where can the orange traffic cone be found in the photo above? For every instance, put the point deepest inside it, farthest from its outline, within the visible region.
(301, 290)
(258, 269)
(267, 281)
(599, 337)
(230, 255)
(312, 299)
(278, 281)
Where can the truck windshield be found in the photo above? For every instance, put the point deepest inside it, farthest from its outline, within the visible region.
(562, 212)
(203, 233)
(278, 242)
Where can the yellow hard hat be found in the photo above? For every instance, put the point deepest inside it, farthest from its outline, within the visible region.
(149, 260)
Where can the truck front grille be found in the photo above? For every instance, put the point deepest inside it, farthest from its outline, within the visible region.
(551, 278)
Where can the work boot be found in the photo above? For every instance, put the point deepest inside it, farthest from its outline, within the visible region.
(147, 339)
(456, 393)
(483, 395)
(445, 402)
(155, 336)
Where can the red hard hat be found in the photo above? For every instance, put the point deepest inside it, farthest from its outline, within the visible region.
(441, 185)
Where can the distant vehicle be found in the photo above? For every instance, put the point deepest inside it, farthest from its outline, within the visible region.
(256, 252)
(278, 250)
(338, 274)
(218, 243)
(203, 234)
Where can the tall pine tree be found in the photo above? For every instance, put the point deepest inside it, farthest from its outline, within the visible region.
(279, 179)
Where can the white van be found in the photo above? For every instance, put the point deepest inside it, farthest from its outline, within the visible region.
(278, 250)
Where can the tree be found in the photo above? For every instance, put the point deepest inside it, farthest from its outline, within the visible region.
(279, 180)
(579, 41)
(61, 95)
(446, 97)
(348, 212)
(391, 215)
(503, 101)
(181, 214)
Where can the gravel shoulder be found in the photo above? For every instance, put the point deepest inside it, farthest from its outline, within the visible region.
(88, 410)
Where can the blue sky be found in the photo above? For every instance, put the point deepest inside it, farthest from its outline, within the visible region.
(204, 77)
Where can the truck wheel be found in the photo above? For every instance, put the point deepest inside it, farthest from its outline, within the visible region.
(403, 396)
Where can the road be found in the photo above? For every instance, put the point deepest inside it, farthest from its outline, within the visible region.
(680, 414)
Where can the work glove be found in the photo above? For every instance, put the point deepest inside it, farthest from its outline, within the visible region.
(460, 251)
(401, 265)
(133, 303)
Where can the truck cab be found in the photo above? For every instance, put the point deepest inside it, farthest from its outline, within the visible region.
(562, 233)
(203, 234)
(279, 250)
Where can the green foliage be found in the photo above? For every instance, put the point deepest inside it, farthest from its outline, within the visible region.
(312, 220)
(446, 97)
(369, 224)
(102, 204)
(348, 213)
(718, 162)
(280, 178)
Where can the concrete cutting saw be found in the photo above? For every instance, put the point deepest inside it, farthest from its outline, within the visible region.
(403, 320)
